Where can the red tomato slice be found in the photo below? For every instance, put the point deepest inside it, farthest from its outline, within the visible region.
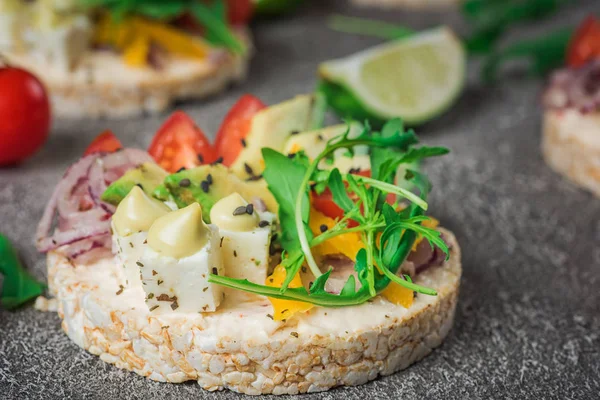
(179, 143)
(585, 43)
(235, 127)
(239, 12)
(105, 142)
(324, 202)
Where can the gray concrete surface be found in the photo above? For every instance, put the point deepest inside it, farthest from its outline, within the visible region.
(527, 325)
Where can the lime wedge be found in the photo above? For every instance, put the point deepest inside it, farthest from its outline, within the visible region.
(415, 78)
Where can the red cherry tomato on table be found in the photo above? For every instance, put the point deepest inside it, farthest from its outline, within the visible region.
(105, 142)
(235, 127)
(24, 115)
(239, 12)
(585, 43)
(180, 143)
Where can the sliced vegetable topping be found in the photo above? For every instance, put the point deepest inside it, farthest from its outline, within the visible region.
(231, 138)
(387, 235)
(284, 309)
(585, 43)
(106, 142)
(179, 143)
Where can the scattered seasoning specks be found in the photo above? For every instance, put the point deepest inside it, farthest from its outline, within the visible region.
(323, 228)
(248, 169)
(263, 223)
(354, 170)
(250, 209)
(320, 137)
(174, 306)
(215, 271)
(221, 243)
(235, 253)
(121, 288)
(291, 155)
(304, 269)
(154, 273)
(139, 264)
(131, 245)
(154, 307)
(150, 295)
(205, 289)
(269, 316)
(387, 316)
(241, 210)
(217, 161)
(209, 179)
(200, 159)
(139, 185)
(294, 334)
(243, 141)
(294, 132)
(166, 297)
(181, 169)
(205, 186)
(185, 182)
(160, 281)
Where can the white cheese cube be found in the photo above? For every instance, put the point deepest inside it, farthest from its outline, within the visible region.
(181, 285)
(129, 250)
(246, 254)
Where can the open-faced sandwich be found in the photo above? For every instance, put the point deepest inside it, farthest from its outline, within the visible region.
(288, 260)
(120, 58)
(571, 128)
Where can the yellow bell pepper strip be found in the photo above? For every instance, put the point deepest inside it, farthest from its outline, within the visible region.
(173, 40)
(284, 309)
(136, 54)
(133, 37)
(399, 295)
(18, 286)
(347, 244)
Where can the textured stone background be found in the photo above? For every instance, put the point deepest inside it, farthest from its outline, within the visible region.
(527, 325)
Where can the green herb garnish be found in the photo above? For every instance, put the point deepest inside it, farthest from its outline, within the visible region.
(290, 180)
(18, 287)
(211, 16)
(543, 54)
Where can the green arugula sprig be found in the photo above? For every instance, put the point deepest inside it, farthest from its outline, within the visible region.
(18, 287)
(290, 180)
(212, 16)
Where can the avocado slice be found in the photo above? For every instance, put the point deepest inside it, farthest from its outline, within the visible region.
(148, 176)
(272, 127)
(208, 184)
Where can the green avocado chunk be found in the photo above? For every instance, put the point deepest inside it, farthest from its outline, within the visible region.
(148, 176)
(206, 185)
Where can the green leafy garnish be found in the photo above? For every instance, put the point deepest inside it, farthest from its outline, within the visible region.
(290, 180)
(211, 16)
(491, 18)
(543, 54)
(368, 27)
(18, 287)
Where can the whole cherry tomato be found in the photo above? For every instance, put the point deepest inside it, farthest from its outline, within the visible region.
(24, 115)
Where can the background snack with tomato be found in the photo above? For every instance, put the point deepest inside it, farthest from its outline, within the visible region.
(107, 58)
(571, 126)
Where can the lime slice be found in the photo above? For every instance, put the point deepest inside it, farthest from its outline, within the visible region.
(415, 78)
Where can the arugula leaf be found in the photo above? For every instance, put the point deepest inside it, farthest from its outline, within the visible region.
(284, 178)
(18, 287)
(544, 54)
(338, 191)
(216, 28)
(379, 155)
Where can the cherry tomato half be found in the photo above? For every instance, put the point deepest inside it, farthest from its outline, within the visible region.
(585, 43)
(104, 142)
(24, 115)
(180, 143)
(235, 127)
